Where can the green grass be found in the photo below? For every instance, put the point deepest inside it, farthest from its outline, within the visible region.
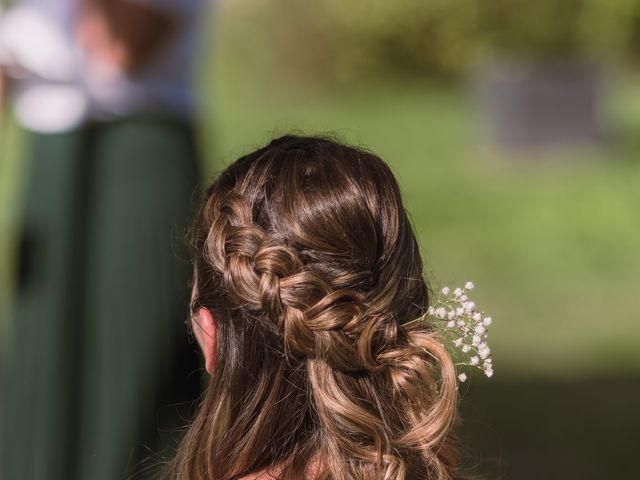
(552, 243)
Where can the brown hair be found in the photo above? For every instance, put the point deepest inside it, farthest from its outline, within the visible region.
(305, 254)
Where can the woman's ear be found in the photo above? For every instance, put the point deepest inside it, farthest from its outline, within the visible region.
(204, 328)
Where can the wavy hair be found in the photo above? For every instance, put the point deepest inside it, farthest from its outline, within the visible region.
(305, 254)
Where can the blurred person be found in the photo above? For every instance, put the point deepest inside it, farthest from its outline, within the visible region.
(307, 284)
(98, 362)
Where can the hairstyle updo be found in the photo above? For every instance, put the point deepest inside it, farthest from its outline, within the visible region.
(305, 256)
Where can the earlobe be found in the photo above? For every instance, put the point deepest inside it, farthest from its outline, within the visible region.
(206, 335)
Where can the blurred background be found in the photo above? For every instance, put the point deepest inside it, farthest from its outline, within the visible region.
(514, 130)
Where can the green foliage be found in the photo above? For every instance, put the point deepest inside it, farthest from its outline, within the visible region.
(548, 29)
(337, 40)
(345, 40)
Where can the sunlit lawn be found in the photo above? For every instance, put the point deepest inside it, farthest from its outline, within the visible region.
(552, 243)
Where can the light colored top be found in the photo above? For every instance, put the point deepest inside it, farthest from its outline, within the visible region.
(59, 86)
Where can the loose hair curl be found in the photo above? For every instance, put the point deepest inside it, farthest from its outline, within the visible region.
(304, 253)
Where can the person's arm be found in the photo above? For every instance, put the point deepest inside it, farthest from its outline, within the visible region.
(125, 33)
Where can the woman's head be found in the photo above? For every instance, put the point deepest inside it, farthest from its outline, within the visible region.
(307, 265)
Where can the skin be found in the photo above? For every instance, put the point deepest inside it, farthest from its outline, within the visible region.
(124, 34)
(204, 329)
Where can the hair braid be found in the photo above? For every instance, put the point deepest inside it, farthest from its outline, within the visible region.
(304, 252)
(265, 276)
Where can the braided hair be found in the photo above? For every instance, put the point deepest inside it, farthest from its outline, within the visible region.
(304, 252)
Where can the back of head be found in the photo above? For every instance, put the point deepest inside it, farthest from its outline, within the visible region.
(304, 253)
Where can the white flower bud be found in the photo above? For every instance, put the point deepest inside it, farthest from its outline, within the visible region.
(462, 317)
(484, 352)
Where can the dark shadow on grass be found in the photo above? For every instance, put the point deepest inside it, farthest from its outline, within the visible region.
(553, 429)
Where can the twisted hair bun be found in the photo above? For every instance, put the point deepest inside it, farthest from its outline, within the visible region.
(305, 254)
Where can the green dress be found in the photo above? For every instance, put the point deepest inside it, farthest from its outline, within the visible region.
(102, 371)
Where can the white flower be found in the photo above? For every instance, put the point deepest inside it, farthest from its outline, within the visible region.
(467, 326)
(484, 351)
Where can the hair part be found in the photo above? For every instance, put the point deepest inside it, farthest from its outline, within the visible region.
(305, 254)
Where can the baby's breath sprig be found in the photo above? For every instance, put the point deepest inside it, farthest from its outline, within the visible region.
(467, 326)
